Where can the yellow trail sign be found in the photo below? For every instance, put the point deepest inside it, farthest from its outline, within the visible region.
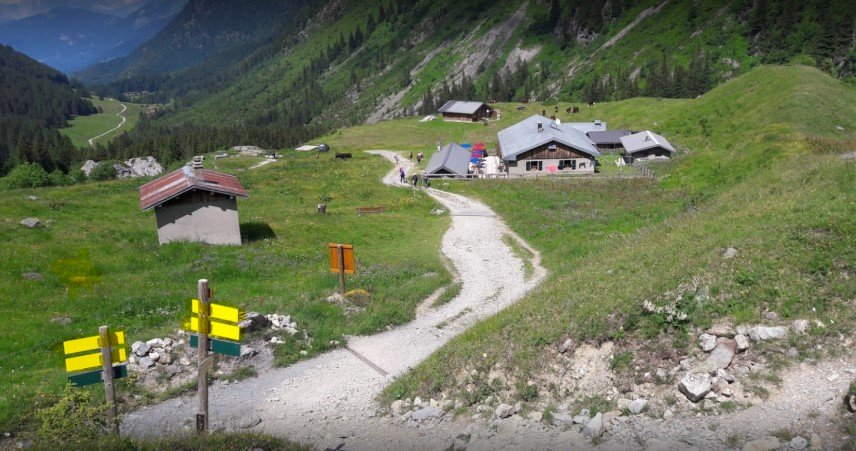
(217, 329)
(221, 312)
(348, 254)
(91, 343)
(90, 361)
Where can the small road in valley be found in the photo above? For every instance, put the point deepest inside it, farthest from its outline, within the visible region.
(119, 114)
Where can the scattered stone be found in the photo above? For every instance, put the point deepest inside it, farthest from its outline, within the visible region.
(504, 411)
(88, 166)
(173, 369)
(793, 353)
(764, 444)
(165, 359)
(155, 343)
(582, 419)
(833, 377)
(438, 211)
(140, 348)
(594, 428)
(32, 198)
(688, 363)
(800, 326)
(668, 415)
(695, 386)
(742, 342)
(252, 151)
(247, 352)
(623, 403)
(729, 253)
(397, 407)
(562, 419)
(763, 333)
(722, 330)
(61, 320)
(277, 340)
(798, 442)
(426, 413)
(772, 316)
(154, 355)
(637, 406)
(565, 346)
(708, 404)
(721, 356)
(32, 276)
(254, 321)
(707, 342)
(336, 297)
(32, 223)
(168, 341)
(147, 362)
(815, 442)
(184, 361)
(724, 375)
(535, 416)
(304, 353)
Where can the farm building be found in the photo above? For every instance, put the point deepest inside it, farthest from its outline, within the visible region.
(194, 204)
(537, 146)
(608, 140)
(586, 127)
(450, 161)
(646, 144)
(465, 111)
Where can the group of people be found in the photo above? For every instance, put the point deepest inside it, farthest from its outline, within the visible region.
(414, 178)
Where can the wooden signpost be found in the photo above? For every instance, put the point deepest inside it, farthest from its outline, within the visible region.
(96, 365)
(211, 320)
(341, 261)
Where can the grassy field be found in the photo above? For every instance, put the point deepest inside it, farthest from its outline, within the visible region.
(760, 171)
(82, 128)
(100, 263)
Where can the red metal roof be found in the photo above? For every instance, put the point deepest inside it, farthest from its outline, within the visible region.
(186, 179)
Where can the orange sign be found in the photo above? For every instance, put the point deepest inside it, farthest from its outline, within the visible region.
(348, 252)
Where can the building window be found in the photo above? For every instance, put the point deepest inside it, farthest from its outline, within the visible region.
(551, 148)
(534, 165)
(582, 165)
(567, 164)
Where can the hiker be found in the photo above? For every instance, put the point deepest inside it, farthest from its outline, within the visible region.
(425, 182)
(401, 173)
(419, 157)
(411, 156)
(415, 179)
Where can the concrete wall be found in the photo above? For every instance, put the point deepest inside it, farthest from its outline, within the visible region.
(213, 222)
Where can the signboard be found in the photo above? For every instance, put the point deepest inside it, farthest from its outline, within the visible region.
(96, 376)
(219, 312)
(89, 361)
(216, 329)
(93, 360)
(219, 346)
(348, 250)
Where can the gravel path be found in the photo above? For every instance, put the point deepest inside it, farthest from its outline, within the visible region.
(119, 114)
(327, 401)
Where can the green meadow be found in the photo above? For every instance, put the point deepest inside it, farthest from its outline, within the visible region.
(82, 128)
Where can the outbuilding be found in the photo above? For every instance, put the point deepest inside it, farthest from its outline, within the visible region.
(537, 146)
(608, 140)
(195, 205)
(646, 144)
(450, 161)
(465, 111)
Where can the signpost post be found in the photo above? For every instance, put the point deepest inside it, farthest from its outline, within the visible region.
(95, 367)
(202, 382)
(341, 261)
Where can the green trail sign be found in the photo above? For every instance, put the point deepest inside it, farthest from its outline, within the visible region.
(96, 376)
(219, 346)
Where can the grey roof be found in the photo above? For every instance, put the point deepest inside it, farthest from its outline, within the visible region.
(524, 136)
(452, 158)
(643, 141)
(460, 107)
(607, 137)
(585, 127)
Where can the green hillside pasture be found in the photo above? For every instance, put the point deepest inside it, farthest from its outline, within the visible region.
(787, 204)
(100, 263)
(82, 128)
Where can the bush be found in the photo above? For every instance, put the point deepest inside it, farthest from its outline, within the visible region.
(73, 418)
(59, 178)
(103, 171)
(805, 60)
(77, 175)
(27, 175)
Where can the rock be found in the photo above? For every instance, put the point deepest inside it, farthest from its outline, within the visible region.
(764, 444)
(562, 419)
(417, 402)
(32, 223)
(168, 341)
(722, 330)
(668, 415)
(815, 442)
(144, 167)
(254, 321)
(565, 346)
(397, 407)
(290, 330)
(155, 343)
(703, 293)
(623, 404)
(277, 340)
(833, 377)
(594, 428)
(426, 413)
(721, 356)
(173, 369)
(850, 403)
(800, 326)
(140, 348)
(608, 419)
(763, 333)
(123, 171)
(32, 276)
(688, 363)
(247, 352)
(155, 356)
(249, 421)
(581, 419)
(729, 253)
(335, 298)
(147, 362)
(637, 406)
(695, 386)
(88, 166)
(438, 211)
(184, 361)
(32, 198)
(165, 359)
(61, 320)
(708, 404)
(535, 416)
(707, 342)
(742, 342)
(798, 443)
(724, 375)
(252, 151)
(504, 411)
(772, 316)
(793, 353)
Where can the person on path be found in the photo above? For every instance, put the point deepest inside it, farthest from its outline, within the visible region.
(411, 156)
(425, 182)
(419, 157)
(401, 173)
(415, 179)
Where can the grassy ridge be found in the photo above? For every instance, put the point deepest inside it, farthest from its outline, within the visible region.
(82, 128)
(101, 263)
(756, 178)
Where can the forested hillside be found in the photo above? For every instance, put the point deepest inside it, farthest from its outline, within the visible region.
(337, 63)
(35, 101)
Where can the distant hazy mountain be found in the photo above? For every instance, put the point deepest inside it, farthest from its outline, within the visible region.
(70, 39)
(19, 9)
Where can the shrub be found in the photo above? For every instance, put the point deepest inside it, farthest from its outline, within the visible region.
(59, 178)
(73, 418)
(103, 171)
(27, 175)
(77, 175)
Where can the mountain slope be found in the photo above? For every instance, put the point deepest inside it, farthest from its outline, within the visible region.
(70, 39)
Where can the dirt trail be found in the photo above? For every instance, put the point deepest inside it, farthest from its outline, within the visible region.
(327, 401)
(119, 114)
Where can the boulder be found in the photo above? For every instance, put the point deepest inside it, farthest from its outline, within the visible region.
(594, 428)
(798, 443)
(144, 167)
(742, 342)
(254, 321)
(764, 444)
(155, 343)
(184, 361)
(426, 413)
(123, 171)
(763, 333)
(562, 419)
(32, 223)
(638, 405)
(695, 386)
(707, 342)
(140, 348)
(247, 352)
(155, 355)
(88, 167)
(504, 411)
(800, 326)
(721, 356)
(147, 362)
(722, 330)
(729, 253)
(687, 363)
(252, 151)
